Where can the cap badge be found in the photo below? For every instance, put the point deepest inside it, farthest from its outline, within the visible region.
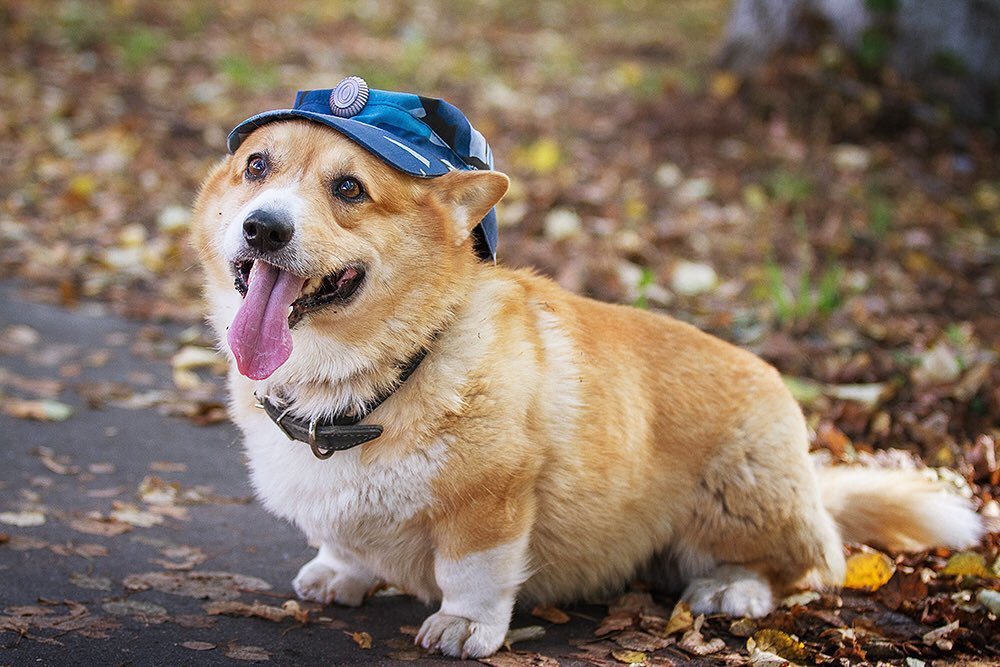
(349, 97)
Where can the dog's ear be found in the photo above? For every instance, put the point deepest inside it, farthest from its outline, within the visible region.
(469, 195)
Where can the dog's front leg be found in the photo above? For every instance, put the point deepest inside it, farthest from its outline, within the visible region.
(332, 577)
(478, 592)
(478, 586)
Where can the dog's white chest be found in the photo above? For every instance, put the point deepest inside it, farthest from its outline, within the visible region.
(340, 500)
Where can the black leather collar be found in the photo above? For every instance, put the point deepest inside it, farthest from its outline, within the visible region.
(339, 431)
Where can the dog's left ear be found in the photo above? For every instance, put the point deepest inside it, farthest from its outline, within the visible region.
(470, 195)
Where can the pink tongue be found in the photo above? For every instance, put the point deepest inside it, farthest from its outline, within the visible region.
(259, 336)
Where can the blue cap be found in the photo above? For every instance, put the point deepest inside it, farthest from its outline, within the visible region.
(420, 136)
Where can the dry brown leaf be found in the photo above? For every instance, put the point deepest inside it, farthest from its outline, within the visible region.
(256, 609)
(295, 609)
(167, 466)
(99, 526)
(82, 550)
(868, 570)
(198, 646)
(87, 581)
(247, 653)
(940, 637)
(641, 641)
(148, 611)
(200, 585)
(517, 659)
(362, 639)
(550, 614)
(694, 642)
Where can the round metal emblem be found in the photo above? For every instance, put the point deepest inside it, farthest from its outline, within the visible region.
(349, 97)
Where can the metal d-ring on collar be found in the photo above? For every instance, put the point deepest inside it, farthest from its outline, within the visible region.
(339, 431)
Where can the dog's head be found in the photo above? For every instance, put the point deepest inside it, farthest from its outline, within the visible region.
(302, 230)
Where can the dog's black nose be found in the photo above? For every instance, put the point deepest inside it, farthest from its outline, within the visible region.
(267, 231)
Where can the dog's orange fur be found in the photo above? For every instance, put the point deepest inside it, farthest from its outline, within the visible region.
(621, 442)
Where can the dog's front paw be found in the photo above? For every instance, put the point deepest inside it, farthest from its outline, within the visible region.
(460, 637)
(319, 582)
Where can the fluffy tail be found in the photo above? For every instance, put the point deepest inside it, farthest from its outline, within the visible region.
(898, 510)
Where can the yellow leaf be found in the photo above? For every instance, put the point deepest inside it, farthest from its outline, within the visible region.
(541, 157)
(780, 643)
(82, 186)
(629, 657)
(362, 639)
(967, 564)
(723, 85)
(680, 619)
(868, 571)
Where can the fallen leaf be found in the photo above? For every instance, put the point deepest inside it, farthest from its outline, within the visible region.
(132, 515)
(694, 642)
(629, 657)
(198, 646)
(641, 641)
(681, 619)
(528, 633)
(868, 570)
(180, 558)
(99, 526)
(43, 410)
(362, 639)
(762, 658)
(550, 614)
(82, 550)
(25, 519)
(783, 644)
(87, 581)
(514, 659)
(155, 491)
(247, 653)
(296, 610)
(967, 564)
(989, 599)
(167, 466)
(148, 610)
(200, 585)
(256, 609)
(939, 637)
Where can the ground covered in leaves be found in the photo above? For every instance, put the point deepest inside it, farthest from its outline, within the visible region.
(821, 214)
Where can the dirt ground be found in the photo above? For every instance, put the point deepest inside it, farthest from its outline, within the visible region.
(824, 215)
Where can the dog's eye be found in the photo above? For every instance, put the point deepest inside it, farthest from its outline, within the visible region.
(349, 188)
(256, 167)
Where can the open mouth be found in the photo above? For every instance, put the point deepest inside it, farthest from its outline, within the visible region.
(337, 288)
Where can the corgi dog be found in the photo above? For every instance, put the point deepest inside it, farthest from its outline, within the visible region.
(508, 441)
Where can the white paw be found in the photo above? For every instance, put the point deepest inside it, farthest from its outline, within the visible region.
(319, 582)
(459, 637)
(732, 591)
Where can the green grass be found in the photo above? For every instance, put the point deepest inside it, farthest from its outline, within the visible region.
(244, 73)
(789, 187)
(647, 279)
(140, 45)
(815, 298)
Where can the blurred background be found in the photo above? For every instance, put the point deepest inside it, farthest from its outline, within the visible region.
(815, 181)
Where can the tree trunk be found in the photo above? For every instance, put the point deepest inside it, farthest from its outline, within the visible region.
(951, 47)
